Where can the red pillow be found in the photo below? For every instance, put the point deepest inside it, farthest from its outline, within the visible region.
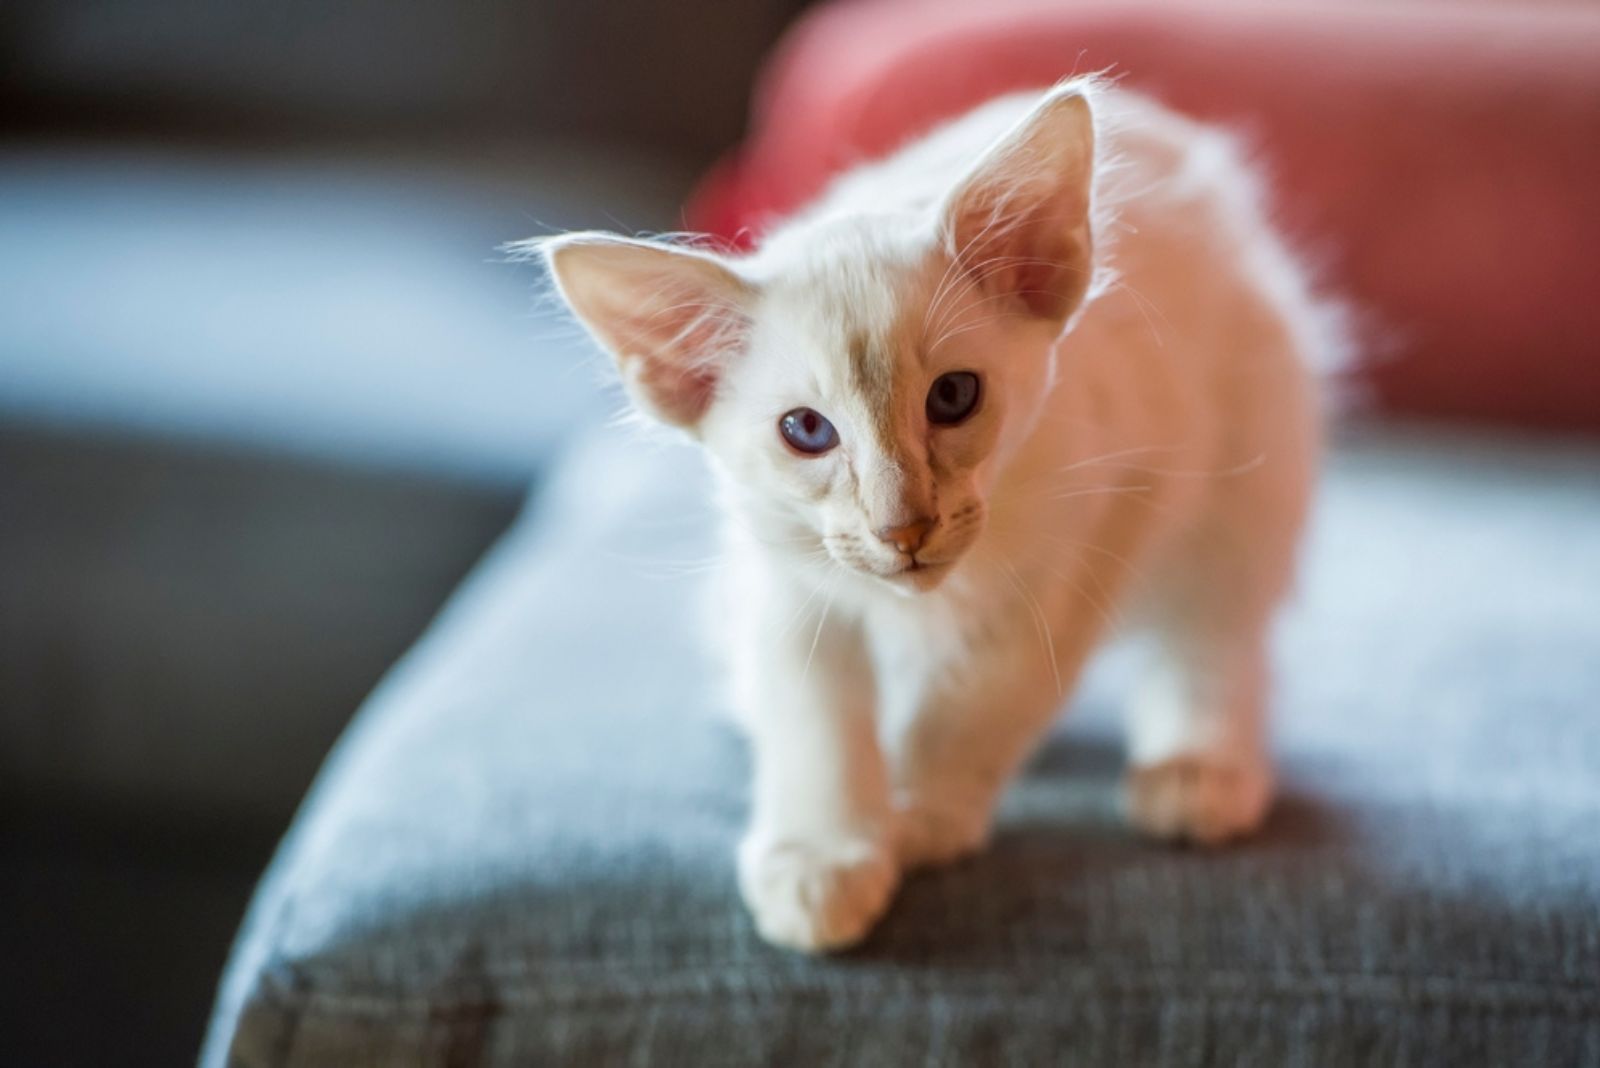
(1441, 164)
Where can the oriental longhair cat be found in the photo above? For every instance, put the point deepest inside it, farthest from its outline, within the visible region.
(1044, 373)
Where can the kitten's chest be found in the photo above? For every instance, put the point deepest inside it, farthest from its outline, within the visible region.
(929, 635)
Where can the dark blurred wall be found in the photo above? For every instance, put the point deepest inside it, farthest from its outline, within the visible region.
(672, 76)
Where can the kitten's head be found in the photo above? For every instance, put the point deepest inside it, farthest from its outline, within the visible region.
(862, 377)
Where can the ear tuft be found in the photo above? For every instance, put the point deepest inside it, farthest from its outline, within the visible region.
(670, 316)
(1019, 222)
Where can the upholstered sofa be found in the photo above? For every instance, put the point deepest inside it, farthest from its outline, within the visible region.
(521, 851)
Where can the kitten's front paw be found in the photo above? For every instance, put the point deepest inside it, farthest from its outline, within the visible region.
(815, 894)
(931, 836)
(1199, 798)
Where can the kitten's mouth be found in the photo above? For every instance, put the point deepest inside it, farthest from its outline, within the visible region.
(906, 574)
(920, 575)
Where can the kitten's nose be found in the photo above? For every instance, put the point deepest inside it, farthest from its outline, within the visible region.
(907, 537)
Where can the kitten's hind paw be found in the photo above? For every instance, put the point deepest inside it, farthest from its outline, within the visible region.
(815, 895)
(1198, 798)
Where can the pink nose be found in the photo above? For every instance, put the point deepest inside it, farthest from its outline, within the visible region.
(907, 537)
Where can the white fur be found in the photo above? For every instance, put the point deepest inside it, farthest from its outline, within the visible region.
(1149, 468)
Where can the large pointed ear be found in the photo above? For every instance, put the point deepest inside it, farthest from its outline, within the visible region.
(1018, 224)
(670, 316)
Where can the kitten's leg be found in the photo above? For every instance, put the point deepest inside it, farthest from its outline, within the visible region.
(815, 866)
(1199, 765)
(967, 738)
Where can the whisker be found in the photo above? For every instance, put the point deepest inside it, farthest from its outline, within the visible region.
(1227, 472)
(1092, 491)
(1145, 306)
(1106, 617)
(1118, 454)
(975, 278)
(822, 621)
(1041, 624)
(799, 612)
(978, 276)
(1074, 543)
(959, 261)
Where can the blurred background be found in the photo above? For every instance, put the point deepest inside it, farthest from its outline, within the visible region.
(267, 390)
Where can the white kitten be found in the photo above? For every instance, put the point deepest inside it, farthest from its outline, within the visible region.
(955, 449)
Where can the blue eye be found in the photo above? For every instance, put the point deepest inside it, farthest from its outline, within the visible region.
(808, 431)
(952, 398)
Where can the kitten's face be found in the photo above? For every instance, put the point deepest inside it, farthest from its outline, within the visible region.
(872, 407)
(863, 377)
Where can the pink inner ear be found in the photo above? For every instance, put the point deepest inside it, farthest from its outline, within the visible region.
(1040, 261)
(1040, 289)
(680, 351)
(681, 394)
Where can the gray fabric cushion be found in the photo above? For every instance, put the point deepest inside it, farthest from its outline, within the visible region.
(521, 853)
